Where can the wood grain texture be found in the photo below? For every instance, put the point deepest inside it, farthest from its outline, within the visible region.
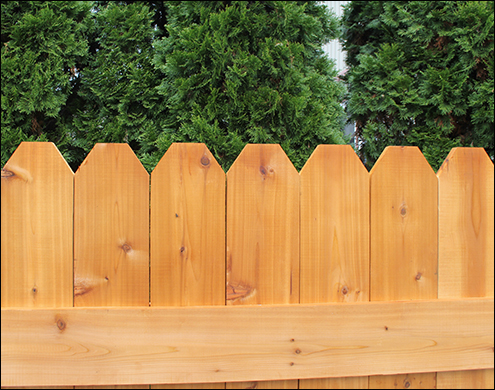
(352, 382)
(334, 237)
(111, 229)
(404, 233)
(187, 228)
(36, 240)
(188, 233)
(77, 346)
(466, 231)
(404, 381)
(404, 227)
(466, 224)
(262, 230)
(472, 379)
(37, 225)
(111, 256)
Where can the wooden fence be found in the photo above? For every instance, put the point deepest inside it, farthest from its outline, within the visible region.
(334, 277)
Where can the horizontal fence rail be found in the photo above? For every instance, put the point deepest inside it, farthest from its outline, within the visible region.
(76, 346)
(349, 278)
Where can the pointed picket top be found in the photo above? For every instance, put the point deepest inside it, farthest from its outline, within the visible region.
(404, 226)
(35, 156)
(110, 153)
(328, 155)
(262, 227)
(401, 153)
(187, 228)
(111, 229)
(36, 240)
(466, 224)
(269, 159)
(334, 226)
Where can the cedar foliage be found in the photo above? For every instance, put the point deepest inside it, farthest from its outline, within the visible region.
(238, 72)
(150, 73)
(420, 73)
(43, 45)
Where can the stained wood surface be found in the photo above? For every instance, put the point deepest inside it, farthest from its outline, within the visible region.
(187, 228)
(262, 231)
(404, 381)
(250, 343)
(36, 240)
(466, 246)
(472, 379)
(334, 237)
(188, 233)
(111, 229)
(404, 234)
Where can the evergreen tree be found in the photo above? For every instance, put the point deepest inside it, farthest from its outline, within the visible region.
(421, 73)
(238, 72)
(43, 47)
(118, 86)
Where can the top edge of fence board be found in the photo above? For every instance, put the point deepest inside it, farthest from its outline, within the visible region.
(333, 145)
(114, 148)
(82, 346)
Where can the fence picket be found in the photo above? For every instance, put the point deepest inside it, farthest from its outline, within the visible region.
(263, 234)
(404, 236)
(334, 237)
(111, 229)
(188, 233)
(466, 244)
(36, 240)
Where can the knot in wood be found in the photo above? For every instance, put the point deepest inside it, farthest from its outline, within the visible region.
(205, 161)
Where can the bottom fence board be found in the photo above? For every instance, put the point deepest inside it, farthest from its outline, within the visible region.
(102, 346)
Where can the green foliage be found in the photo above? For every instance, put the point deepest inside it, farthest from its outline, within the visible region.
(249, 72)
(118, 84)
(42, 44)
(421, 73)
(151, 73)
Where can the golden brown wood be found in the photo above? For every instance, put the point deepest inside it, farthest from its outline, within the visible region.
(188, 233)
(353, 382)
(37, 224)
(473, 379)
(404, 381)
(111, 229)
(262, 228)
(466, 220)
(111, 266)
(334, 236)
(187, 228)
(262, 231)
(243, 343)
(466, 241)
(36, 240)
(404, 231)
(263, 385)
